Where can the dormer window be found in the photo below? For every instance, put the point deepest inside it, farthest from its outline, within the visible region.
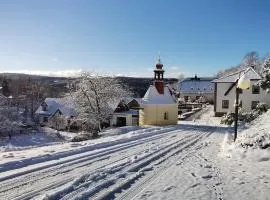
(44, 106)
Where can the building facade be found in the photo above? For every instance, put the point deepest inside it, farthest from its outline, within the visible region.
(197, 89)
(54, 107)
(225, 93)
(125, 114)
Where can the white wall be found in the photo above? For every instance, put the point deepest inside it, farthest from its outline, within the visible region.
(247, 97)
(153, 114)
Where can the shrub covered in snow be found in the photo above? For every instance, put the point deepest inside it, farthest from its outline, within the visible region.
(258, 135)
(227, 119)
(244, 117)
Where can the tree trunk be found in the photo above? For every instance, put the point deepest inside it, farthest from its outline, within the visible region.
(95, 133)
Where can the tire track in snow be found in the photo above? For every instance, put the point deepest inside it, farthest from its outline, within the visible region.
(43, 186)
(90, 184)
(125, 175)
(138, 189)
(210, 178)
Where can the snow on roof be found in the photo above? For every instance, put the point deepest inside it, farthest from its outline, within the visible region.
(196, 87)
(54, 104)
(231, 78)
(128, 100)
(153, 97)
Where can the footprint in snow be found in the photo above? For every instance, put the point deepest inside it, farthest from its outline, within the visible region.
(169, 188)
(195, 185)
(10, 155)
(146, 194)
(193, 174)
(133, 158)
(207, 176)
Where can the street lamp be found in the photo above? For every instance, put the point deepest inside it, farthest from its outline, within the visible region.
(242, 83)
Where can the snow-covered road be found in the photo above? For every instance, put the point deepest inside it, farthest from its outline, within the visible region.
(130, 165)
(185, 161)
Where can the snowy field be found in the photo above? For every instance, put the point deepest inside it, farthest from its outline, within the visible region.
(193, 160)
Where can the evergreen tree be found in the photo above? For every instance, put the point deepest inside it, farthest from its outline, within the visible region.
(265, 83)
(5, 88)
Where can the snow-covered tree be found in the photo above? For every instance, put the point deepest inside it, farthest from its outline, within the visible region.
(5, 88)
(251, 59)
(265, 83)
(9, 120)
(95, 98)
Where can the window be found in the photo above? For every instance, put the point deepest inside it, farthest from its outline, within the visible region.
(225, 104)
(44, 107)
(166, 117)
(255, 89)
(254, 104)
(186, 98)
(45, 119)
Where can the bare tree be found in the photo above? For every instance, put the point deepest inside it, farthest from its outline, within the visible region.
(251, 59)
(95, 97)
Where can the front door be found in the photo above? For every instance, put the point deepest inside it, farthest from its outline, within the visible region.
(121, 121)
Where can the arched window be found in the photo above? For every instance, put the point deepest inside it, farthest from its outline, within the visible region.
(166, 116)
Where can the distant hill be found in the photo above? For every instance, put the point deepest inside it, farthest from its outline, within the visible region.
(137, 85)
(140, 85)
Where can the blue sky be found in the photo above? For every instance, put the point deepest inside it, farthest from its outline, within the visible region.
(126, 36)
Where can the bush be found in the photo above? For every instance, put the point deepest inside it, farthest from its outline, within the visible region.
(228, 118)
(262, 108)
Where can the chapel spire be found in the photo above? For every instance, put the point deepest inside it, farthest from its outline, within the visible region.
(158, 77)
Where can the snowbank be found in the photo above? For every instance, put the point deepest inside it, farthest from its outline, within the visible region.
(252, 142)
(258, 134)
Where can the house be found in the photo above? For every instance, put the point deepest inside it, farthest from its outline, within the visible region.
(158, 106)
(54, 107)
(225, 93)
(134, 103)
(125, 113)
(197, 88)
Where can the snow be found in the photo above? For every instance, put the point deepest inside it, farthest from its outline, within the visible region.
(252, 141)
(193, 160)
(153, 97)
(55, 104)
(189, 85)
(250, 74)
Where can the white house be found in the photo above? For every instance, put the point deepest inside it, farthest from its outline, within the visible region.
(51, 107)
(125, 113)
(225, 93)
(197, 88)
